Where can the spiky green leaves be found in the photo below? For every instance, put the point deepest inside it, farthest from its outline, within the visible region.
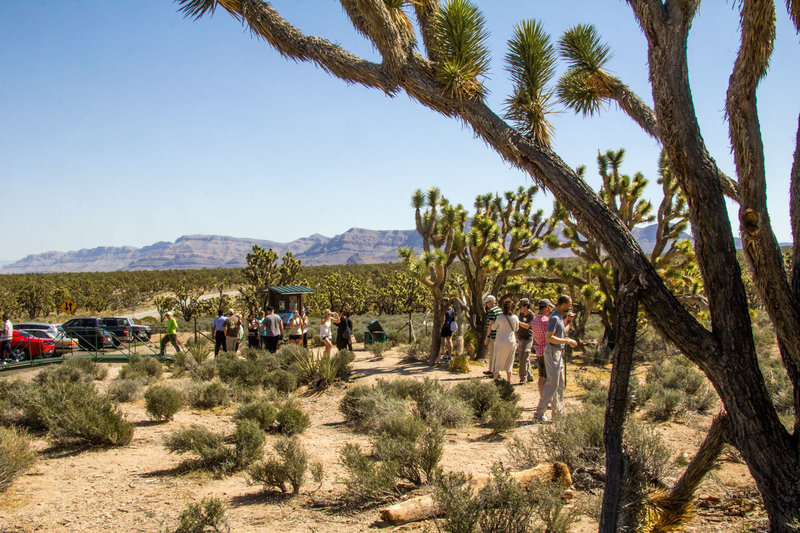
(459, 49)
(585, 84)
(195, 9)
(531, 62)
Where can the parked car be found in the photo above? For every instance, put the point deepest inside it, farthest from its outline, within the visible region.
(90, 333)
(63, 343)
(125, 330)
(25, 346)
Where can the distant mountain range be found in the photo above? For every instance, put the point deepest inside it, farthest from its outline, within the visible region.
(355, 246)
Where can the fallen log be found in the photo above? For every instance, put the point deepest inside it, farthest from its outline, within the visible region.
(423, 507)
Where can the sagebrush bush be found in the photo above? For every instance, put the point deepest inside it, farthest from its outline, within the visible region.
(436, 404)
(503, 417)
(367, 483)
(97, 371)
(162, 402)
(206, 371)
(549, 507)
(259, 410)
(459, 363)
(16, 455)
(418, 351)
(125, 390)
(402, 387)
(289, 467)
(377, 349)
(479, 394)
(208, 515)
(321, 371)
(506, 390)
(281, 380)
(292, 420)
(645, 448)
(364, 407)
(411, 444)
(62, 374)
(241, 373)
(675, 386)
(148, 367)
(212, 452)
(207, 395)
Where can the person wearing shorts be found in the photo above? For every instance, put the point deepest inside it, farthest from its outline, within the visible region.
(325, 332)
(447, 332)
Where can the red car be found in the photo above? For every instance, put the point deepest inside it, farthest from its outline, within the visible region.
(25, 346)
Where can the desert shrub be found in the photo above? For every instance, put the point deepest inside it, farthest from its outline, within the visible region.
(479, 394)
(377, 349)
(411, 444)
(550, 511)
(252, 354)
(289, 467)
(596, 391)
(205, 371)
(459, 363)
(418, 351)
(124, 390)
(149, 367)
(367, 483)
(241, 373)
(436, 404)
(162, 402)
(281, 380)
(403, 388)
(322, 371)
(213, 454)
(282, 358)
(87, 366)
(208, 515)
(200, 350)
(292, 420)
(460, 510)
(503, 416)
(574, 438)
(12, 393)
(16, 455)
(260, 411)
(644, 447)
(364, 407)
(62, 374)
(675, 386)
(650, 346)
(208, 395)
(506, 390)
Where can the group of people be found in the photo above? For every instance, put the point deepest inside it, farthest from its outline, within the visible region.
(515, 336)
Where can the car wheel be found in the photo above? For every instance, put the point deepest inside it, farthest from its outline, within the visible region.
(19, 353)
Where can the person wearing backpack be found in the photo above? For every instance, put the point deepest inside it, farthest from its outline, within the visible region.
(447, 332)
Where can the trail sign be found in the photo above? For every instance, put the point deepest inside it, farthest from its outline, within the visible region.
(68, 306)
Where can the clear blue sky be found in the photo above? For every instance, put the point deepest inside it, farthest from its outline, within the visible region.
(122, 123)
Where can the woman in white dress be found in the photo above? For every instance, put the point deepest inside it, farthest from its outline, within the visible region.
(505, 344)
(325, 331)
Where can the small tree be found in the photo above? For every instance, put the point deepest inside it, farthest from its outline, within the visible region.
(262, 271)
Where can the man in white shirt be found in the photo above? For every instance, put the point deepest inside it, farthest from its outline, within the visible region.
(6, 335)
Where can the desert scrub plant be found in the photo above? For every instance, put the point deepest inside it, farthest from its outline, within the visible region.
(479, 394)
(411, 444)
(417, 351)
(203, 517)
(646, 449)
(260, 411)
(503, 417)
(149, 368)
(207, 395)
(364, 407)
(200, 350)
(549, 509)
(162, 402)
(281, 380)
(125, 390)
(16, 455)
(62, 374)
(241, 373)
(367, 483)
(205, 371)
(459, 363)
(402, 388)
(377, 349)
(321, 371)
(675, 386)
(289, 466)
(291, 420)
(212, 452)
(596, 391)
(435, 404)
(87, 366)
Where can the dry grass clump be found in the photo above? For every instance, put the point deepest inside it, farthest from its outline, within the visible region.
(16, 455)
(125, 390)
(208, 515)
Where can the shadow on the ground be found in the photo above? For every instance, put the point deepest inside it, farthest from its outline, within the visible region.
(259, 497)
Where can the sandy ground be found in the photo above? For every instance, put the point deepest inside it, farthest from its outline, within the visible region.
(139, 488)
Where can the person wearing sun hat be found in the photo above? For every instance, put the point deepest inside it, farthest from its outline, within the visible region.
(492, 312)
(171, 334)
(539, 331)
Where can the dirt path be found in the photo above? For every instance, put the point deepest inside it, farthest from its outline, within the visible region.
(137, 488)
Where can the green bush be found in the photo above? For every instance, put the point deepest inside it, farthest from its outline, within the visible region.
(242, 373)
(281, 380)
(62, 374)
(367, 483)
(149, 367)
(213, 454)
(320, 372)
(16, 455)
(549, 507)
(208, 395)
(208, 515)
(459, 363)
(292, 420)
(506, 391)
(125, 390)
(259, 410)
(418, 351)
(87, 366)
(403, 388)
(364, 407)
(162, 402)
(289, 467)
(200, 351)
(675, 386)
(436, 404)
(377, 349)
(503, 416)
(646, 449)
(479, 394)
(249, 444)
(205, 371)
(412, 445)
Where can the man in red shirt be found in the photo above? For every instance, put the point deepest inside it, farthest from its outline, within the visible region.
(539, 330)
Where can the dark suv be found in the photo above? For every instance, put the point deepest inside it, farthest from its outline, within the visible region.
(90, 333)
(125, 330)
